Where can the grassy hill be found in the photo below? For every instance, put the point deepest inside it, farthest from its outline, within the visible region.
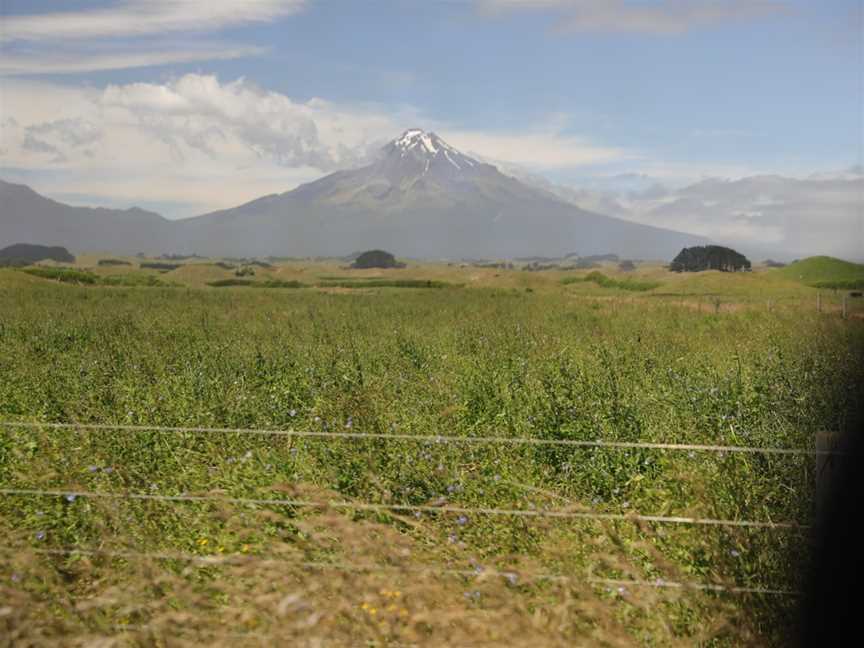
(825, 272)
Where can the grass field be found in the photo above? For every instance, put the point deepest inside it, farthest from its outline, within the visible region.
(710, 358)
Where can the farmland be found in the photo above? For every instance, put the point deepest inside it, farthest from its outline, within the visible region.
(433, 542)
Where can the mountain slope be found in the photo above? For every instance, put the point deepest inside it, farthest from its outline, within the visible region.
(423, 199)
(27, 217)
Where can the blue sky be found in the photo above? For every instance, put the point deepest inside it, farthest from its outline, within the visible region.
(578, 91)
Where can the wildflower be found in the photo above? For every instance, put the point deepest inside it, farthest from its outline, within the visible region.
(734, 553)
(108, 469)
(244, 548)
(512, 578)
(93, 469)
(202, 542)
(462, 520)
(349, 423)
(292, 413)
(472, 596)
(71, 497)
(453, 538)
(16, 578)
(40, 535)
(248, 455)
(622, 591)
(478, 569)
(691, 454)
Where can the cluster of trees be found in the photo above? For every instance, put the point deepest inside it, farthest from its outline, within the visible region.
(709, 257)
(376, 259)
(20, 254)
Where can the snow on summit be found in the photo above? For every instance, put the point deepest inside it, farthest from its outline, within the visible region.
(428, 147)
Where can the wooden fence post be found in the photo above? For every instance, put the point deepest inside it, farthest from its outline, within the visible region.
(818, 302)
(845, 305)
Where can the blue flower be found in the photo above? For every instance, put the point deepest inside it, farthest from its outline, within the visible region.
(40, 535)
(71, 497)
(462, 520)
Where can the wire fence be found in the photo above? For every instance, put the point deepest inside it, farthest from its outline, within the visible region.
(410, 508)
(432, 438)
(512, 576)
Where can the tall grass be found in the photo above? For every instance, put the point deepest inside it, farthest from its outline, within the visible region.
(605, 281)
(456, 362)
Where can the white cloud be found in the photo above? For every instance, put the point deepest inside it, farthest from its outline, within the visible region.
(665, 17)
(815, 214)
(144, 17)
(16, 64)
(200, 140)
(540, 150)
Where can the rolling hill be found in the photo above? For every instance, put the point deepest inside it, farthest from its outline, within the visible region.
(825, 272)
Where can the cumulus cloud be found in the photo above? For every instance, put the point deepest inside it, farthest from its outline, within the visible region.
(194, 140)
(666, 17)
(144, 17)
(201, 113)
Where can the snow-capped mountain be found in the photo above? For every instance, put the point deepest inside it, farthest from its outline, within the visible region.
(423, 198)
(420, 198)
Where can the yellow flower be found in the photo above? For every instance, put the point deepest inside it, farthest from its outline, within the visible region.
(244, 548)
(202, 542)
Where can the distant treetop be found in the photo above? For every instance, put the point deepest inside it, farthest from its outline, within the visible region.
(376, 259)
(709, 257)
(27, 253)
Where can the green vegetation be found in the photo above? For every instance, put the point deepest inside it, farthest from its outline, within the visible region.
(65, 275)
(26, 253)
(376, 259)
(823, 271)
(75, 276)
(608, 282)
(158, 265)
(376, 282)
(468, 363)
(700, 258)
(130, 279)
(112, 262)
(271, 283)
